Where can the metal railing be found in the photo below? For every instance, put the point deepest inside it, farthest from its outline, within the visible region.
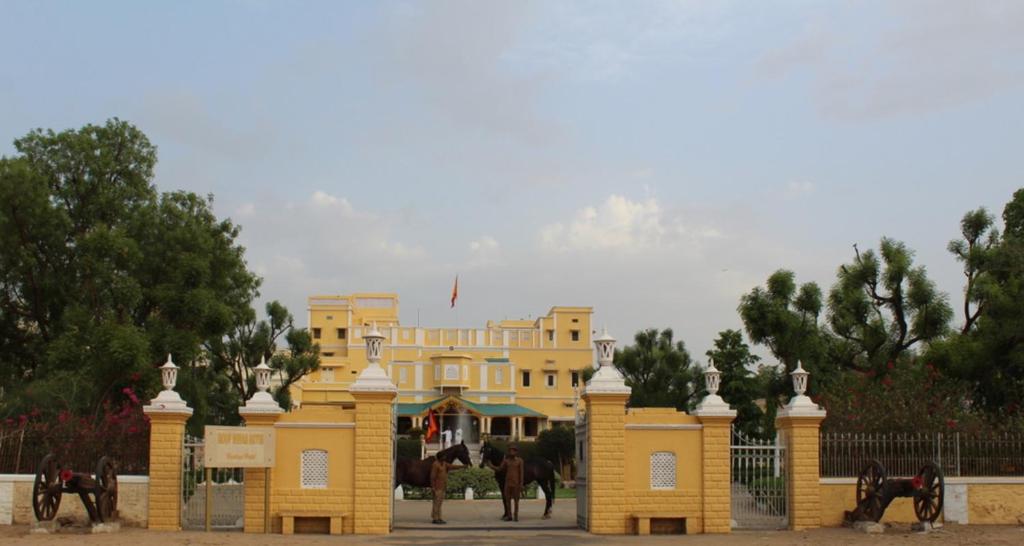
(903, 454)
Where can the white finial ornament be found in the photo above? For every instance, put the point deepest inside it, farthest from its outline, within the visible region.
(712, 378)
(713, 404)
(262, 401)
(799, 376)
(801, 405)
(374, 378)
(168, 401)
(607, 378)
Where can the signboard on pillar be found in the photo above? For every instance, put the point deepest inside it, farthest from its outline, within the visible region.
(239, 447)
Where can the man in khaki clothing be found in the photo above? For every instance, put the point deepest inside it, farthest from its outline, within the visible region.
(512, 466)
(438, 483)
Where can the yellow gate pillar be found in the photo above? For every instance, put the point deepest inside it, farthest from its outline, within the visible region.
(605, 396)
(374, 394)
(259, 411)
(799, 423)
(716, 433)
(167, 415)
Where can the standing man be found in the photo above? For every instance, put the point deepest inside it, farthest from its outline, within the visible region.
(513, 486)
(438, 483)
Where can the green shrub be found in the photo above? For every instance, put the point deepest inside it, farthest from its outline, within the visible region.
(480, 479)
(409, 447)
(526, 449)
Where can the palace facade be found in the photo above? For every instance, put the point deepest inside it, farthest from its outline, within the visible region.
(511, 378)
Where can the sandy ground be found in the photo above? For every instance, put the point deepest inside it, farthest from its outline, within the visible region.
(477, 522)
(960, 535)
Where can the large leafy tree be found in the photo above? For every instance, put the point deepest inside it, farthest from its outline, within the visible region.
(739, 386)
(658, 369)
(975, 251)
(989, 352)
(785, 318)
(101, 276)
(252, 341)
(882, 306)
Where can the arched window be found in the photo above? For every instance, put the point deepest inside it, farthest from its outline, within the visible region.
(663, 470)
(314, 469)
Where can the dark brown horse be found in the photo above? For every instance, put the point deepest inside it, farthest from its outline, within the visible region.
(535, 469)
(417, 472)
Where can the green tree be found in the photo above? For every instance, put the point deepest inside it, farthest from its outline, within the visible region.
(989, 355)
(100, 275)
(786, 319)
(557, 445)
(252, 341)
(739, 387)
(879, 309)
(658, 369)
(975, 251)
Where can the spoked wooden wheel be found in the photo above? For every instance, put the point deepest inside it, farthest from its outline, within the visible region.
(47, 489)
(928, 499)
(869, 490)
(106, 494)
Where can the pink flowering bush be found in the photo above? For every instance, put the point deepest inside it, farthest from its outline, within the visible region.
(117, 430)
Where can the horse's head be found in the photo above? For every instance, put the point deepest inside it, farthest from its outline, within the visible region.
(461, 452)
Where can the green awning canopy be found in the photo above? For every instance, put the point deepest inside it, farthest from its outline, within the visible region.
(485, 410)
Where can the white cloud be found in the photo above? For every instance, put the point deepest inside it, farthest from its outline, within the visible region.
(622, 224)
(322, 199)
(484, 251)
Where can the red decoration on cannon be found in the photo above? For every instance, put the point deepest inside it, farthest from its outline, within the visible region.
(98, 493)
(875, 492)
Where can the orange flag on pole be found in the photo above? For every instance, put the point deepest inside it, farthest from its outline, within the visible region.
(455, 291)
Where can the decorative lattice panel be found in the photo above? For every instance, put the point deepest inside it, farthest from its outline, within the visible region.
(451, 371)
(663, 470)
(314, 469)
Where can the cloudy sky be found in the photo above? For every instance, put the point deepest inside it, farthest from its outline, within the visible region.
(655, 160)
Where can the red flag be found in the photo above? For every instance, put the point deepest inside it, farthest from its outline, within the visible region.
(455, 291)
(432, 428)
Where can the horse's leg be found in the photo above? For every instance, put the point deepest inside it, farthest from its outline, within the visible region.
(549, 494)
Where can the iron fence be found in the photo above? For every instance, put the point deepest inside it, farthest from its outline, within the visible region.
(12, 442)
(903, 454)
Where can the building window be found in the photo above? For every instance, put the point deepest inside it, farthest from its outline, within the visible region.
(663, 470)
(327, 354)
(526, 378)
(316, 333)
(403, 375)
(314, 469)
(575, 379)
(575, 320)
(342, 333)
(549, 380)
(551, 335)
(499, 376)
(327, 375)
(574, 335)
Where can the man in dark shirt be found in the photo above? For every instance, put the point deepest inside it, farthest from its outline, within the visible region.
(513, 488)
(438, 483)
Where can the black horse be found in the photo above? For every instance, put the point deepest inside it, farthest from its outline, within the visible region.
(417, 472)
(535, 469)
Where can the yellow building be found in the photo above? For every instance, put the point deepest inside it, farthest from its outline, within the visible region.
(510, 378)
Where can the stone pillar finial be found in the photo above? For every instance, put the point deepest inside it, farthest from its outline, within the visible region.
(607, 378)
(713, 404)
(168, 401)
(261, 401)
(374, 378)
(801, 404)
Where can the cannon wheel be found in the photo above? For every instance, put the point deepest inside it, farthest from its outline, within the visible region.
(47, 489)
(869, 490)
(106, 492)
(928, 500)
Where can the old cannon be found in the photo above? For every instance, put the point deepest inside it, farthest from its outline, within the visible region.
(98, 493)
(875, 492)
